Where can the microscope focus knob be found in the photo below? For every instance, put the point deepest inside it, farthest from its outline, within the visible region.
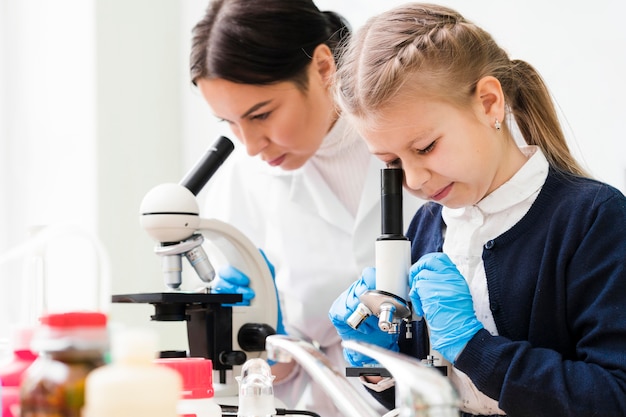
(251, 336)
(232, 358)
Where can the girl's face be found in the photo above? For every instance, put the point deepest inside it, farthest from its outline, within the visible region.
(451, 156)
(281, 123)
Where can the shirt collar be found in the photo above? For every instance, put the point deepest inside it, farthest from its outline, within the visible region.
(526, 182)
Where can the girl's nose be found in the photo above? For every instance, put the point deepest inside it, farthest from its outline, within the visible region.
(415, 177)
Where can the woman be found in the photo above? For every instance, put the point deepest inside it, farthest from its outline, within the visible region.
(310, 196)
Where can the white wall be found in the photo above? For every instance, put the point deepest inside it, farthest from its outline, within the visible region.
(90, 121)
(47, 137)
(48, 111)
(139, 139)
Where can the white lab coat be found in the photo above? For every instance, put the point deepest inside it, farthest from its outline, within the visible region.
(317, 246)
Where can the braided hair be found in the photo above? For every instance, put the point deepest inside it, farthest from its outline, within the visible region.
(432, 51)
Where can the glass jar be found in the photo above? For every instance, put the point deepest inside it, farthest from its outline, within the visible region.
(70, 345)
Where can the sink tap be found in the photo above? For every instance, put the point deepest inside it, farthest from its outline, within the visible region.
(284, 348)
(421, 391)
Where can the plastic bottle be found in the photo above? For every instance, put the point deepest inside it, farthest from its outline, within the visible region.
(197, 374)
(70, 345)
(12, 372)
(132, 385)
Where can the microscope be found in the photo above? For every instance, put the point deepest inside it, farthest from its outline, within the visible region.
(393, 260)
(389, 301)
(216, 329)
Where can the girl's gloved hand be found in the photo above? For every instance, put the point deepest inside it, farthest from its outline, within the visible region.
(440, 294)
(231, 280)
(368, 331)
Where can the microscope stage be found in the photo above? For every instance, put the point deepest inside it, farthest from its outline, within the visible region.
(177, 298)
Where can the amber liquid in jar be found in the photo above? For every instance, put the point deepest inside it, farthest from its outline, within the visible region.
(54, 385)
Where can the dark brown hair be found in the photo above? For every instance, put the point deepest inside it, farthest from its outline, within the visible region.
(262, 41)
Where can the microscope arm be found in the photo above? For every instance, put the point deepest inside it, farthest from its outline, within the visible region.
(237, 250)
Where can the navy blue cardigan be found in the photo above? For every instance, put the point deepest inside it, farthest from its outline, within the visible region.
(557, 289)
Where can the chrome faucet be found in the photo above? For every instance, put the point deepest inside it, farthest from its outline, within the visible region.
(285, 348)
(420, 391)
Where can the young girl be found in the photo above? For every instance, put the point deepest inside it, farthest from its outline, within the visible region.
(519, 260)
(310, 196)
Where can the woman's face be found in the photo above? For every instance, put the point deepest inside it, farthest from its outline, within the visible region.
(451, 156)
(281, 123)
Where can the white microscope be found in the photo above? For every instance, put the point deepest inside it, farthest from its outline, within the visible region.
(215, 329)
(393, 260)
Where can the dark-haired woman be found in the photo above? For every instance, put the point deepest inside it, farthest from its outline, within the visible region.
(308, 191)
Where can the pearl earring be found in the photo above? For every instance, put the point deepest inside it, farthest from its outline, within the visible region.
(497, 125)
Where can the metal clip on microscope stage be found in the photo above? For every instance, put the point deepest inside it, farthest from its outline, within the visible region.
(393, 260)
(215, 330)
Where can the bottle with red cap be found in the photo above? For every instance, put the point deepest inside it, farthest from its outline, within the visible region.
(70, 345)
(12, 372)
(197, 394)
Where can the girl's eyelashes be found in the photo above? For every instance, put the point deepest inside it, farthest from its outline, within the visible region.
(396, 163)
(427, 149)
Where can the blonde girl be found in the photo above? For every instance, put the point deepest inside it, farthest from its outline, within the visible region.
(519, 258)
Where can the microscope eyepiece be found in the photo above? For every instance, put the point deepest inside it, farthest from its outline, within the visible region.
(204, 169)
(391, 203)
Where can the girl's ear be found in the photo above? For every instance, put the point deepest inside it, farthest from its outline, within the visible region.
(323, 63)
(490, 97)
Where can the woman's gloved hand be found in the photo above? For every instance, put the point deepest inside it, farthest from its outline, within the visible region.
(368, 331)
(440, 294)
(231, 280)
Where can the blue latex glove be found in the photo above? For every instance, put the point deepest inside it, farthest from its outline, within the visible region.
(440, 293)
(231, 280)
(368, 331)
